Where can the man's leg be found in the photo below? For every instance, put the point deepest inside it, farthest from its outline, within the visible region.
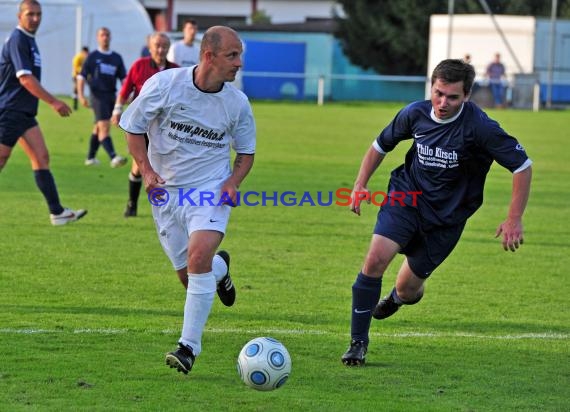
(365, 294)
(199, 298)
(104, 130)
(93, 148)
(221, 271)
(409, 290)
(135, 185)
(422, 258)
(5, 152)
(33, 143)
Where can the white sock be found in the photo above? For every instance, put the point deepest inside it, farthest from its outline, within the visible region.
(219, 267)
(199, 299)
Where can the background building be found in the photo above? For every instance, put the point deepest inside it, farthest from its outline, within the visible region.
(169, 14)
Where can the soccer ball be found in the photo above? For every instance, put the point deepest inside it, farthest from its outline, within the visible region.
(264, 364)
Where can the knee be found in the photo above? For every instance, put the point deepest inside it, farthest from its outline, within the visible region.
(375, 264)
(199, 260)
(43, 160)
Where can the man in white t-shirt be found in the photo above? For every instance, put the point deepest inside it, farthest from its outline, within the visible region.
(193, 117)
(186, 52)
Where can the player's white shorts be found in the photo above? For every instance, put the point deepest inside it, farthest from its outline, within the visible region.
(175, 223)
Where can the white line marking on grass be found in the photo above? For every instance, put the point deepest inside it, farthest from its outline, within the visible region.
(259, 331)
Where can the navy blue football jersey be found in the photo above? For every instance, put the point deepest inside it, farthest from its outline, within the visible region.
(20, 55)
(101, 70)
(448, 160)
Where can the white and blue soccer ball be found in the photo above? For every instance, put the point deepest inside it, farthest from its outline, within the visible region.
(264, 364)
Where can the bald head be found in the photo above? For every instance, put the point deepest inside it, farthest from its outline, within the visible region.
(159, 36)
(24, 4)
(215, 37)
(220, 58)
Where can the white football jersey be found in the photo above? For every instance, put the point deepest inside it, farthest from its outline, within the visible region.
(184, 55)
(190, 131)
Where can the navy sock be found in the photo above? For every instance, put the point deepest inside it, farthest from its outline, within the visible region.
(93, 146)
(46, 184)
(396, 298)
(135, 184)
(107, 144)
(365, 295)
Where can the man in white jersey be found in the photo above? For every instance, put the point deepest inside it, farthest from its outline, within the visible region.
(192, 116)
(186, 52)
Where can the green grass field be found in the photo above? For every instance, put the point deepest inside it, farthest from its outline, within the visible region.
(88, 310)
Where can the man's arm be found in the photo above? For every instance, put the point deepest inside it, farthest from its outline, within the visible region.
(31, 84)
(370, 163)
(117, 110)
(511, 228)
(80, 91)
(242, 165)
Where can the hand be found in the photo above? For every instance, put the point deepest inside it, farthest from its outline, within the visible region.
(229, 194)
(512, 232)
(84, 101)
(359, 193)
(152, 181)
(116, 118)
(61, 108)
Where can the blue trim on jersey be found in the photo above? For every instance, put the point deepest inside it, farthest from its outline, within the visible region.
(448, 161)
(101, 71)
(20, 55)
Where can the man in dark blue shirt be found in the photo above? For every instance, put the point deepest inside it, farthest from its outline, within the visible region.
(101, 70)
(20, 91)
(431, 196)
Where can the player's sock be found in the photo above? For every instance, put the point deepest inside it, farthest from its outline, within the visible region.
(107, 144)
(199, 299)
(365, 295)
(46, 184)
(219, 268)
(135, 184)
(93, 146)
(396, 298)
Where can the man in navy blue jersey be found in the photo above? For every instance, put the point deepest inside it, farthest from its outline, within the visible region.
(439, 186)
(101, 70)
(20, 91)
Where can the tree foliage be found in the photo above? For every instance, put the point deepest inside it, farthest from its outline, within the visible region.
(391, 36)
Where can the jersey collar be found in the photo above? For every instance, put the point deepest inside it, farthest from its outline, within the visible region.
(27, 33)
(443, 121)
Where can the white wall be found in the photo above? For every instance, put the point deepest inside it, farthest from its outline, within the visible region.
(58, 38)
(280, 11)
(476, 34)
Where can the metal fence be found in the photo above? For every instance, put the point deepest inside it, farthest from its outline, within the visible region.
(334, 87)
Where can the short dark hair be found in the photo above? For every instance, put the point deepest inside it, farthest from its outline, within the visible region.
(189, 21)
(453, 71)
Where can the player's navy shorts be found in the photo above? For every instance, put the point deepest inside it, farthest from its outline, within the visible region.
(424, 249)
(103, 104)
(13, 125)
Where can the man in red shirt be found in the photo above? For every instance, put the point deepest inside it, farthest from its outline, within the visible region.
(141, 70)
